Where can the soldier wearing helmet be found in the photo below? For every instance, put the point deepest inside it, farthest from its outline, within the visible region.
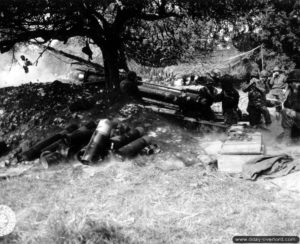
(277, 83)
(129, 86)
(230, 100)
(207, 96)
(254, 74)
(263, 82)
(257, 103)
(291, 112)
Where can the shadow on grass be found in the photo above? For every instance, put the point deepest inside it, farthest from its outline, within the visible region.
(91, 232)
(62, 232)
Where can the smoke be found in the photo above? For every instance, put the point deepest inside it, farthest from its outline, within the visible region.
(49, 66)
(275, 129)
(47, 69)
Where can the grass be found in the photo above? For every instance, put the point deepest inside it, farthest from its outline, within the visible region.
(120, 202)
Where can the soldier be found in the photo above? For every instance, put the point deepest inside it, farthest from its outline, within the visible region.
(257, 104)
(263, 82)
(230, 100)
(291, 112)
(129, 86)
(207, 96)
(192, 79)
(215, 75)
(277, 84)
(254, 74)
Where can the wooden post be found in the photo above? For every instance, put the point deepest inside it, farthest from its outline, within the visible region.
(262, 56)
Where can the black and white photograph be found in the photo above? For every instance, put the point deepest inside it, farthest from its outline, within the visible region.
(149, 121)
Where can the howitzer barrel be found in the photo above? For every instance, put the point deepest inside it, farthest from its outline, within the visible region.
(161, 95)
(177, 97)
(168, 88)
(161, 87)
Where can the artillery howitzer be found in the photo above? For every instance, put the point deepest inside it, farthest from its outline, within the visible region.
(183, 104)
(182, 98)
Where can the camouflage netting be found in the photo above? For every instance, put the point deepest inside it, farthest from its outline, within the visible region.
(224, 62)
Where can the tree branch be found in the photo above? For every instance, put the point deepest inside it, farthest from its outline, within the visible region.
(46, 35)
(70, 56)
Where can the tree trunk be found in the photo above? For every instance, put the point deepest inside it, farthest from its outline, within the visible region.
(111, 66)
(123, 59)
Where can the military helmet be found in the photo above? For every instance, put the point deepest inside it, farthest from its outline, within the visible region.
(215, 73)
(184, 77)
(254, 73)
(263, 73)
(209, 80)
(276, 69)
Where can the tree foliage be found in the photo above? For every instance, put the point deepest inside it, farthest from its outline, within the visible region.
(277, 26)
(166, 42)
(168, 27)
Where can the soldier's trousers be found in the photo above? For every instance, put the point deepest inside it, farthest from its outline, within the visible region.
(231, 116)
(290, 125)
(256, 113)
(288, 122)
(279, 95)
(207, 114)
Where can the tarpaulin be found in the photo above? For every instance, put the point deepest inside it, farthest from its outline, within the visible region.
(270, 167)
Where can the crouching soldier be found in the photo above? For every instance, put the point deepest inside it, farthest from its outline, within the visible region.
(257, 104)
(207, 96)
(230, 100)
(291, 112)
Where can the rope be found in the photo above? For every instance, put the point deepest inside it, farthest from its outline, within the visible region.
(231, 62)
(243, 54)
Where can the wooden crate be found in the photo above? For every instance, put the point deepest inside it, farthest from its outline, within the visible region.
(234, 154)
(245, 147)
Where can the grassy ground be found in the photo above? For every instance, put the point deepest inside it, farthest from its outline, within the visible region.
(151, 199)
(120, 202)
